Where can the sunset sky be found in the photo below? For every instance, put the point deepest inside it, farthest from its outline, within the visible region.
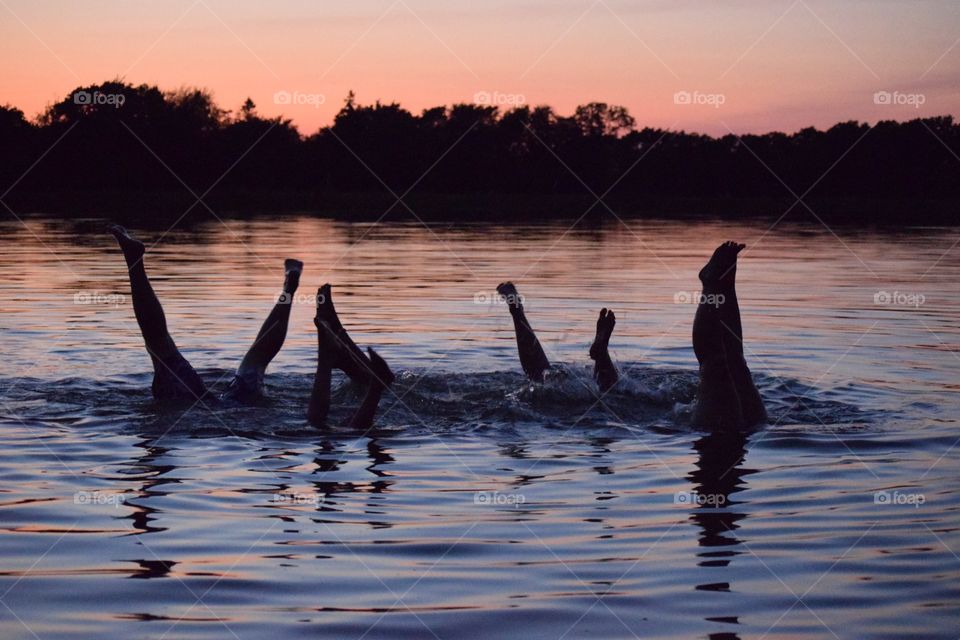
(754, 65)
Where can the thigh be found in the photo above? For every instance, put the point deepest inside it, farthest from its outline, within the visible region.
(174, 379)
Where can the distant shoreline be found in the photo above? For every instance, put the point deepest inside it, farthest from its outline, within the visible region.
(169, 205)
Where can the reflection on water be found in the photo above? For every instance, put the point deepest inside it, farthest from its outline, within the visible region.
(482, 506)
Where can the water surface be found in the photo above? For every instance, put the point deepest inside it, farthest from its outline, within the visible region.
(482, 506)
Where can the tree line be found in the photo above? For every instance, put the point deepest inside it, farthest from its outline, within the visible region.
(119, 137)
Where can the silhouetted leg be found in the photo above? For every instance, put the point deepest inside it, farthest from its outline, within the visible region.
(330, 349)
(751, 404)
(327, 345)
(349, 359)
(718, 401)
(247, 384)
(380, 378)
(532, 358)
(603, 370)
(173, 377)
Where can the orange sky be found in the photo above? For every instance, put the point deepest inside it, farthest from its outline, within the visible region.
(752, 65)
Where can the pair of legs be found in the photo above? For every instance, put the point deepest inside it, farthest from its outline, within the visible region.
(173, 377)
(727, 398)
(336, 350)
(534, 360)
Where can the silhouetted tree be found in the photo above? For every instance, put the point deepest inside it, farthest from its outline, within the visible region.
(119, 137)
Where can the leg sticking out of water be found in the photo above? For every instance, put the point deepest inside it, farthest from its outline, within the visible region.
(247, 384)
(603, 370)
(173, 377)
(330, 350)
(380, 378)
(532, 358)
(349, 358)
(327, 346)
(727, 398)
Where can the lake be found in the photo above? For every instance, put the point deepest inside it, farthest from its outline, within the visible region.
(482, 505)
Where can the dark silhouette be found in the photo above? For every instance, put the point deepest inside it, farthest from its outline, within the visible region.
(174, 379)
(247, 384)
(717, 479)
(534, 360)
(727, 398)
(335, 349)
(604, 372)
(161, 142)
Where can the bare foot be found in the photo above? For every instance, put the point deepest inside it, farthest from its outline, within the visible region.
(510, 294)
(721, 269)
(605, 324)
(348, 357)
(325, 310)
(292, 270)
(132, 248)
